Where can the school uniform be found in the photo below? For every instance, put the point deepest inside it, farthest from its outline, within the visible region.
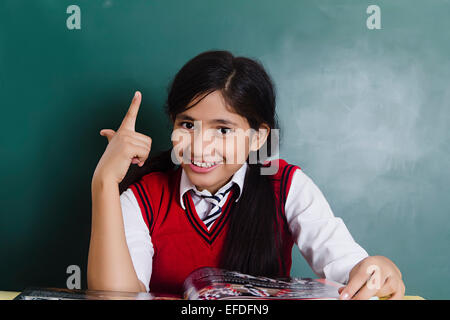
(171, 230)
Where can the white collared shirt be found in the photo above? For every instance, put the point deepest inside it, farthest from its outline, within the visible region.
(323, 239)
(202, 206)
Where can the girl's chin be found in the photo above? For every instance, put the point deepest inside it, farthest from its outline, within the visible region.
(201, 180)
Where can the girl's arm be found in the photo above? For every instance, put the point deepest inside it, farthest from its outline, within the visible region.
(322, 238)
(109, 263)
(138, 237)
(326, 243)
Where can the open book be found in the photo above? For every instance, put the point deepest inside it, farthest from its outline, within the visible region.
(208, 283)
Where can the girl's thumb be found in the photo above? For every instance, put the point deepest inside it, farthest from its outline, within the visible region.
(108, 133)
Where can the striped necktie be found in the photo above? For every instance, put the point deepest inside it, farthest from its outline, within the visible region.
(216, 208)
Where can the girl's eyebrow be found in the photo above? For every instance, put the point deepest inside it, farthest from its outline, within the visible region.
(221, 121)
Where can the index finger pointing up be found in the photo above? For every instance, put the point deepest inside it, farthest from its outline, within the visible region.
(129, 121)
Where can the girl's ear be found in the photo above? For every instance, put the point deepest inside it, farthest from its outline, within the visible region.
(259, 137)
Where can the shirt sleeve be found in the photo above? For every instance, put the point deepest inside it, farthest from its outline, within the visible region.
(138, 237)
(323, 239)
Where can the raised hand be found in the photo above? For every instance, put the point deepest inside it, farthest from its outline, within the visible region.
(125, 146)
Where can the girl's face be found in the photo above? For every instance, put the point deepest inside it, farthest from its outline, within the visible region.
(212, 142)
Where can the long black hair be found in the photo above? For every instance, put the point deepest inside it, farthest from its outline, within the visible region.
(253, 242)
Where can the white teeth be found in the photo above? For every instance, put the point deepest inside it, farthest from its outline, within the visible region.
(204, 164)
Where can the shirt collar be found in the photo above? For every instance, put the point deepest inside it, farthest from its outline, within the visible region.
(238, 178)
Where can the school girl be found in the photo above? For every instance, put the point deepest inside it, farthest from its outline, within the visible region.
(195, 205)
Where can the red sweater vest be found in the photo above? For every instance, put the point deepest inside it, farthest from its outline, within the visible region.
(181, 241)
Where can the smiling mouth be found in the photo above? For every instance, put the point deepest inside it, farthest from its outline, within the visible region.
(205, 164)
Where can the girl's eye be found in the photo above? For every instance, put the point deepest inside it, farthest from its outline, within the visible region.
(187, 125)
(224, 131)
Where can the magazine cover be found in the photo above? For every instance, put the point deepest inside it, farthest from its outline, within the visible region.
(217, 284)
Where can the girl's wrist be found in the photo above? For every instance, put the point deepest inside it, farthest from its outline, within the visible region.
(99, 181)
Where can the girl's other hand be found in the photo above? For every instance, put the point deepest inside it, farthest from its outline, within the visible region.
(125, 146)
(374, 276)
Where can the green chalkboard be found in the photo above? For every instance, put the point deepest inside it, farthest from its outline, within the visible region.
(364, 111)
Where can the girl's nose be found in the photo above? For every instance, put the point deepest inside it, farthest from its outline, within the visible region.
(203, 144)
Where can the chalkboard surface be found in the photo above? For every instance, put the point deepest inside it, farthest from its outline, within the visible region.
(363, 110)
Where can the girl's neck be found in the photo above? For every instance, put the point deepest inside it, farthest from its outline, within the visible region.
(216, 187)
